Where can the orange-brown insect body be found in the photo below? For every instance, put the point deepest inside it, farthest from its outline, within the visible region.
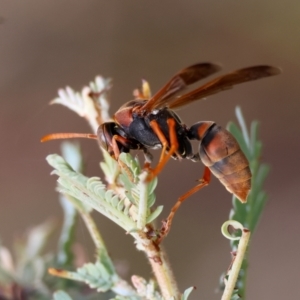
(221, 153)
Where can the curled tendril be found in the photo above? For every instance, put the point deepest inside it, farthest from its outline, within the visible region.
(235, 225)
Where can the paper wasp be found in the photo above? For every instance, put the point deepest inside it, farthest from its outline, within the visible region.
(149, 122)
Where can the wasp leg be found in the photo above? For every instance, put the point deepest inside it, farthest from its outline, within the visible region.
(115, 147)
(204, 181)
(173, 145)
(116, 152)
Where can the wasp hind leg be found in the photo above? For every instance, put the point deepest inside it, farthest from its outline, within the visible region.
(204, 181)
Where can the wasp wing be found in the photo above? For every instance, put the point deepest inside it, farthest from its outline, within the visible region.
(223, 83)
(178, 83)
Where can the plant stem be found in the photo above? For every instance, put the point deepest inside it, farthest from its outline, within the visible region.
(165, 276)
(236, 266)
(160, 265)
(142, 209)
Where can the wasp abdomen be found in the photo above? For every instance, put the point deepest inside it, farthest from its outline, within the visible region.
(221, 153)
(234, 173)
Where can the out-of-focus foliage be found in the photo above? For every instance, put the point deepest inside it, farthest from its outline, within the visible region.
(249, 213)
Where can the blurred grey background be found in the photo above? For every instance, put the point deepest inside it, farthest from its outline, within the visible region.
(46, 45)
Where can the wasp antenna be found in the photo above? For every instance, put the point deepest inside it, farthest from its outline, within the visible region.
(57, 136)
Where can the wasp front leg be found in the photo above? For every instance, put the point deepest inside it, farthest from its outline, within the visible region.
(114, 141)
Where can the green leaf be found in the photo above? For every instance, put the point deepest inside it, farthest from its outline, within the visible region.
(235, 297)
(242, 123)
(128, 187)
(236, 132)
(96, 275)
(109, 167)
(187, 293)
(6, 266)
(90, 191)
(154, 214)
(72, 154)
(261, 176)
(254, 142)
(61, 295)
(65, 255)
(37, 239)
(132, 164)
(249, 213)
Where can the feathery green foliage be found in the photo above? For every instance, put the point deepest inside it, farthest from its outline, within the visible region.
(248, 214)
(129, 201)
(119, 204)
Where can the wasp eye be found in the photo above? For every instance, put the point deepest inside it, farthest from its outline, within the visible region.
(101, 133)
(105, 134)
